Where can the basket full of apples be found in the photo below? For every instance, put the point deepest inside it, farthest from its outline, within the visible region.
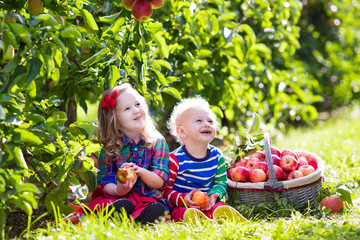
(264, 176)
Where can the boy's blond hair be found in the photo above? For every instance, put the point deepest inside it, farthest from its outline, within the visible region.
(183, 106)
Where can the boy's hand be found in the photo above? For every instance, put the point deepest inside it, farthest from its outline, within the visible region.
(212, 201)
(189, 202)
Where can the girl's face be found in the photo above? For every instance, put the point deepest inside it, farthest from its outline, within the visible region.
(130, 113)
(198, 125)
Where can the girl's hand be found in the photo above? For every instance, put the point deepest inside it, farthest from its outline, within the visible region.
(212, 201)
(139, 171)
(126, 187)
(189, 202)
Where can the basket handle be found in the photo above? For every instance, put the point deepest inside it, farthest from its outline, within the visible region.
(272, 182)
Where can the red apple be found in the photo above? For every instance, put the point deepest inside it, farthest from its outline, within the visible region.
(335, 204)
(142, 10)
(257, 154)
(257, 175)
(201, 198)
(288, 163)
(241, 163)
(156, 3)
(262, 165)
(229, 171)
(302, 161)
(127, 4)
(275, 159)
(313, 164)
(306, 169)
(290, 152)
(275, 151)
(294, 174)
(279, 173)
(240, 174)
(35, 7)
(252, 162)
(125, 174)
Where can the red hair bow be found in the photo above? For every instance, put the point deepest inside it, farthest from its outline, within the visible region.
(109, 102)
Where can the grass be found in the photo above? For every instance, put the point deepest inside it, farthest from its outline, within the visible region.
(336, 141)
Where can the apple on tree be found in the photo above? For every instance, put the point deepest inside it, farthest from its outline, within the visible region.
(35, 7)
(127, 4)
(201, 198)
(142, 10)
(124, 174)
(156, 3)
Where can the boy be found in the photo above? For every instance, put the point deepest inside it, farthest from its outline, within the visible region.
(196, 165)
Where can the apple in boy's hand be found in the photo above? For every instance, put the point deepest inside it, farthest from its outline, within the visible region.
(335, 204)
(124, 174)
(201, 198)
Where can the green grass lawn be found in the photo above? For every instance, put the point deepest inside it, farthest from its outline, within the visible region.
(336, 141)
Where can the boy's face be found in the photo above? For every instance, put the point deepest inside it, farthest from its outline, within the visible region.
(197, 125)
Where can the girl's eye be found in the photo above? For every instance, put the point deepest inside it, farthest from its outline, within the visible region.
(127, 108)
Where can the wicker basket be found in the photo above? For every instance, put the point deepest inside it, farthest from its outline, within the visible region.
(301, 192)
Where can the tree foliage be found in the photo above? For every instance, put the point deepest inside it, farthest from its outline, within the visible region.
(280, 59)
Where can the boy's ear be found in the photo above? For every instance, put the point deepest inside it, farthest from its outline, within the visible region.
(180, 131)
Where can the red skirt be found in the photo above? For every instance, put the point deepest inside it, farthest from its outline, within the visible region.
(100, 200)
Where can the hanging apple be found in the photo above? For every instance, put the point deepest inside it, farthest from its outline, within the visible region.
(127, 4)
(156, 3)
(142, 10)
(35, 7)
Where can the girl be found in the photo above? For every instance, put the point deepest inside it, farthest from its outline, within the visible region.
(128, 138)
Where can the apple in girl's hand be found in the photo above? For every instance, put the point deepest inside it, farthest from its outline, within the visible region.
(257, 154)
(240, 174)
(275, 151)
(290, 152)
(294, 174)
(201, 198)
(257, 175)
(288, 163)
(335, 204)
(306, 169)
(124, 174)
(250, 164)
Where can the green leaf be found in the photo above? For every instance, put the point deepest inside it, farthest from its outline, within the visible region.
(89, 20)
(14, 62)
(114, 28)
(28, 137)
(173, 92)
(255, 123)
(2, 113)
(71, 33)
(161, 78)
(109, 18)
(114, 75)
(34, 69)
(96, 57)
(23, 32)
(160, 41)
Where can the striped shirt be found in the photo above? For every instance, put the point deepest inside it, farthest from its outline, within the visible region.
(187, 173)
(155, 160)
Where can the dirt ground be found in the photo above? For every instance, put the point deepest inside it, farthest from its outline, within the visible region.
(16, 222)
